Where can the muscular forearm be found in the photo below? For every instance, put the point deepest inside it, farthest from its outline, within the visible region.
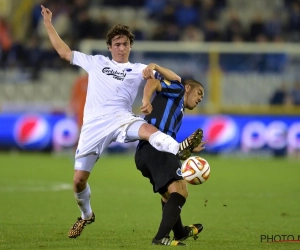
(151, 86)
(167, 73)
(59, 45)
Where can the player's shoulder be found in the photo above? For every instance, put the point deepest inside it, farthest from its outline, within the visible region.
(171, 82)
(102, 58)
(138, 65)
(97, 56)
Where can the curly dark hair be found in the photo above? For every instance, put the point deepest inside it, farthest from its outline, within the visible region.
(119, 30)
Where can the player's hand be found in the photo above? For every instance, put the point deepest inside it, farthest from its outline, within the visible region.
(146, 107)
(148, 71)
(47, 14)
(200, 147)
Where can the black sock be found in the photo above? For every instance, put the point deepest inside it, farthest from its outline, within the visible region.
(178, 228)
(171, 212)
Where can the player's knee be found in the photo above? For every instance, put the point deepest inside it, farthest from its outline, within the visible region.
(184, 193)
(146, 130)
(184, 189)
(79, 183)
(179, 187)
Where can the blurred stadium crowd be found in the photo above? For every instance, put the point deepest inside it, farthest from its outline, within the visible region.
(160, 20)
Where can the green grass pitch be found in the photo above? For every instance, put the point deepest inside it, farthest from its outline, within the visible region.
(243, 199)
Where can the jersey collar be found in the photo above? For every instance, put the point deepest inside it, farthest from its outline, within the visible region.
(120, 64)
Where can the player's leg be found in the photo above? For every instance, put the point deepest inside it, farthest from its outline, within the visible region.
(161, 169)
(139, 129)
(161, 141)
(174, 200)
(177, 191)
(83, 167)
(82, 193)
(181, 189)
(90, 147)
(178, 228)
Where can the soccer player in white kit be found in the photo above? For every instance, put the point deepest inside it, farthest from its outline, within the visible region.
(112, 87)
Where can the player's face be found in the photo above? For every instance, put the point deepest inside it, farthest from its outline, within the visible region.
(193, 96)
(120, 49)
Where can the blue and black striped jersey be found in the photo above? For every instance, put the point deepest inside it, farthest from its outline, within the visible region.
(168, 108)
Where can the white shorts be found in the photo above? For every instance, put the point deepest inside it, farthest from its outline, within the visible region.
(98, 133)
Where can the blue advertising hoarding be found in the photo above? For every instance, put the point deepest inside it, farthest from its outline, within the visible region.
(223, 133)
(38, 132)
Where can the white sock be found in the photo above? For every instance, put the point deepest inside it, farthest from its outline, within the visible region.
(163, 142)
(83, 202)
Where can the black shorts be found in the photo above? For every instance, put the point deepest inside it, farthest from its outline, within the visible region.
(161, 168)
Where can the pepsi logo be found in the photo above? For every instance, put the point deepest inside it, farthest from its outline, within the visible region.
(32, 132)
(221, 134)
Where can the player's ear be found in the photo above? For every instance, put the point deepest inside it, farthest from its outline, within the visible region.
(187, 87)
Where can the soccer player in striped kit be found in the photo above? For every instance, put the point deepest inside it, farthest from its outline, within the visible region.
(163, 168)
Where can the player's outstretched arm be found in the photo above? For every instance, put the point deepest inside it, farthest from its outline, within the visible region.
(151, 86)
(59, 45)
(166, 73)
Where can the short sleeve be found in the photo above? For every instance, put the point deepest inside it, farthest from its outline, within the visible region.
(158, 76)
(82, 60)
(171, 88)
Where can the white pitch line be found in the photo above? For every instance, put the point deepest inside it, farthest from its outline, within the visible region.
(46, 188)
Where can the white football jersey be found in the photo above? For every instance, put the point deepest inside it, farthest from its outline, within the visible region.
(112, 86)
